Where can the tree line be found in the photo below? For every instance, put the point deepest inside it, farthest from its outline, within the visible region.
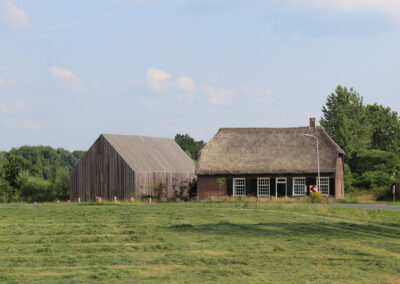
(36, 173)
(370, 136)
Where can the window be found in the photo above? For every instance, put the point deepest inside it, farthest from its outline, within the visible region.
(299, 186)
(263, 187)
(324, 187)
(239, 187)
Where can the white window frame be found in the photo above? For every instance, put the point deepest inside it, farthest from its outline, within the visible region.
(294, 184)
(264, 184)
(323, 184)
(235, 185)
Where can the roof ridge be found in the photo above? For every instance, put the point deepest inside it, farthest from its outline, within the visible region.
(110, 134)
(266, 128)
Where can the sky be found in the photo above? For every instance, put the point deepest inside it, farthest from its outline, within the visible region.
(70, 70)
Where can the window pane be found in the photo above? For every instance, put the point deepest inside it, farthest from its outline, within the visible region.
(263, 187)
(239, 186)
(324, 187)
(299, 186)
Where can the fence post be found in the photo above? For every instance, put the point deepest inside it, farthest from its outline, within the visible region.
(79, 200)
(394, 193)
(115, 199)
(150, 199)
(132, 199)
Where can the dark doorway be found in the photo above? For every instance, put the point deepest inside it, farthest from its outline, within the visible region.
(281, 189)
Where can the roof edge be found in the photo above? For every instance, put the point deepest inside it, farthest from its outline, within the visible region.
(110, 134)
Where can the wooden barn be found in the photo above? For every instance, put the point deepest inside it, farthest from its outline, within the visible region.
(128, 166)
(270, 162)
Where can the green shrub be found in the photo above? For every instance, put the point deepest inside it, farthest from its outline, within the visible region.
(374, 180)
(383, 194)
(348, 178)
(7, 193)
(158, 189)
(34, 188)
(317, 197)
(61, 184)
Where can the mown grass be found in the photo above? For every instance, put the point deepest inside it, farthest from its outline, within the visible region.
(191, 243)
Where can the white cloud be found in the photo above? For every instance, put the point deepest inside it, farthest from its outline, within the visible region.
(66, 78)
(23, 123)
(386, 6)
(12, 123)
(17, 106)
(29, 124)
(97, 86)
(218, 97)
(3, 108)
(258, 96)
(1, 81)
(15, 17)
(157, 79)
(185, 84)
(87, 108)
(21, 106)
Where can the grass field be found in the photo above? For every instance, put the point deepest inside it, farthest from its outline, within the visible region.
(192, 243)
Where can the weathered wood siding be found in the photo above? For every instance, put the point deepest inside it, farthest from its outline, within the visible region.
(145, 180)
(101, 172)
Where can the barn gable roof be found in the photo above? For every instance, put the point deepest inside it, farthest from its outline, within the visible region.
(153, 154)
(268, 151)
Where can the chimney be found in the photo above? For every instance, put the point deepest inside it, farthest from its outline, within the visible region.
(312, 123)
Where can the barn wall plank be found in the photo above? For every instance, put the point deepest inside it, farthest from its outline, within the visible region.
(101, 172)
(145, 180)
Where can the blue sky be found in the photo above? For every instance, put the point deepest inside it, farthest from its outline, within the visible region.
(70, 70)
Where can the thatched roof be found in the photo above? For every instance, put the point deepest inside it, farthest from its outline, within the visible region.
(268, 151)
(151, 154)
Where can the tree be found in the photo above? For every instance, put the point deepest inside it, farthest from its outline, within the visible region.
(2, 160)
(189, 145)
(61, 184)
(374, 169)
(34, 188)
(220, 183)
(385, 126)
(370, 136)
(14, 165)
(7, 194)
(345, 120)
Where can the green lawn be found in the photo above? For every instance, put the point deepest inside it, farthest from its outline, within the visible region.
(192, 243)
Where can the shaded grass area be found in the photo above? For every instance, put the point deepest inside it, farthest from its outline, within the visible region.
(197, 243)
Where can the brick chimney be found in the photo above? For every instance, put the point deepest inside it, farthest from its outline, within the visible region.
(312, 123)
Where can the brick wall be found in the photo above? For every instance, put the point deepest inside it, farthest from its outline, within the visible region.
(339, 178)
(207, 186)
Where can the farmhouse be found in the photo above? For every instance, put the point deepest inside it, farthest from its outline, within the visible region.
(270, 162)
(128, 166)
